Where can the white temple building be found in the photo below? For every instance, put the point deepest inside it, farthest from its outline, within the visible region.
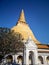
(34, 53)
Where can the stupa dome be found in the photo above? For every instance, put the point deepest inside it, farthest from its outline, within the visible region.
(23, 28)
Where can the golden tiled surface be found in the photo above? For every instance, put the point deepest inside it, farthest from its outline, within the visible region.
(24, 29)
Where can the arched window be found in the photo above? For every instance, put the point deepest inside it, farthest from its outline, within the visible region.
(9, 58)
(40, 59)
(47, 59)
(20, 59)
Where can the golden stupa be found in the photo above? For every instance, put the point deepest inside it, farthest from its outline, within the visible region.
(24, 29)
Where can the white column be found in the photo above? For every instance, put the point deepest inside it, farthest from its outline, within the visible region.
(16, 60)
(26, 57)
(13, 58)
(45, 62)
(35, 58)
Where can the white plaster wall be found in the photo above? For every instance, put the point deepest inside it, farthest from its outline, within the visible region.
(44, 56)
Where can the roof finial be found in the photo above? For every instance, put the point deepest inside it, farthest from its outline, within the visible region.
(22, 10)
(22, 17)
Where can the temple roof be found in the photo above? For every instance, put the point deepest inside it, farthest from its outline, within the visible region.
(23, 28)
(43, 46)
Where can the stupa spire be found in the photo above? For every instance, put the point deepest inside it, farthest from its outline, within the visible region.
(22, 17)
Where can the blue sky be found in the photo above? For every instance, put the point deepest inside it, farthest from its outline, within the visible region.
(36, 14)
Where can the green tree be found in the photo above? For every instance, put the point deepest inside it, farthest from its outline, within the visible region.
(10, 42)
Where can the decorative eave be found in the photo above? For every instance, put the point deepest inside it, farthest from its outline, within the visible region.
(43, 46)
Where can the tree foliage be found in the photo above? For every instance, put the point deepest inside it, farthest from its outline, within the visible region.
(9, 41)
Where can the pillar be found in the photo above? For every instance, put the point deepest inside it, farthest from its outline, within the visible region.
(26, 57)
(45, 62)
(15, 59)
(35, 58)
